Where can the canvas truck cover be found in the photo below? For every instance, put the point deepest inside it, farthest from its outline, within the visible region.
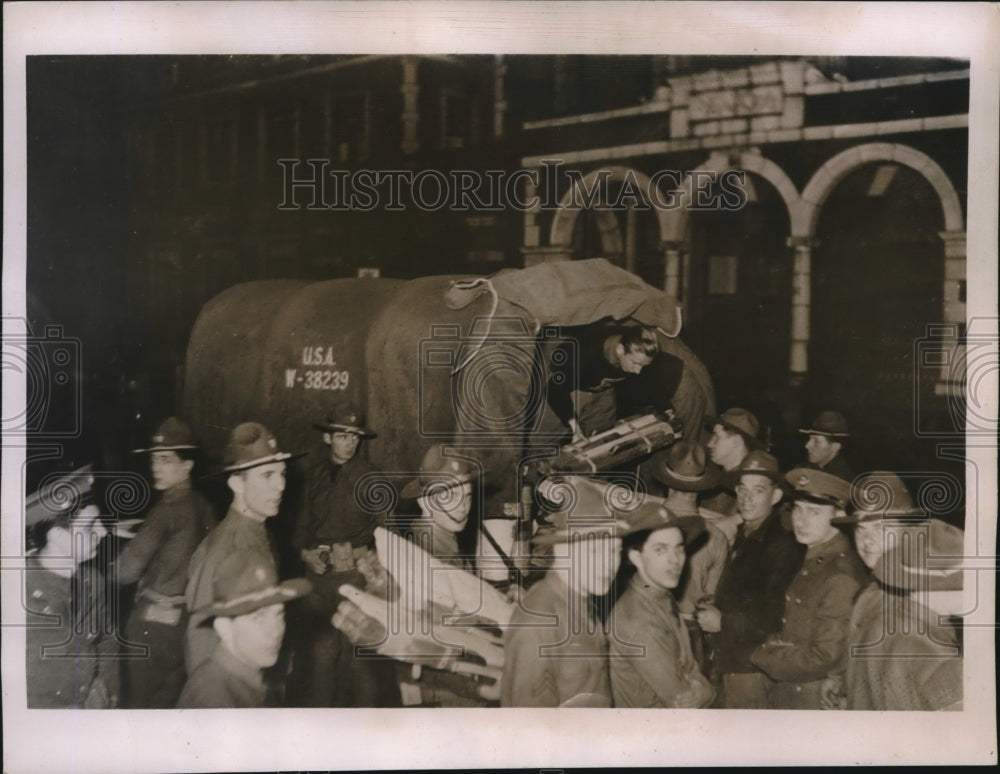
(456, 360)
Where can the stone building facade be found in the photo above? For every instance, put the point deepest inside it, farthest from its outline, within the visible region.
(844, 254)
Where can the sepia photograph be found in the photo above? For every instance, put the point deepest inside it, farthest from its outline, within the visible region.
(551, 366)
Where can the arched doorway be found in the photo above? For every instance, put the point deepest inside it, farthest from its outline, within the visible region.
(739, 283)
(629, 238)
(877, 269)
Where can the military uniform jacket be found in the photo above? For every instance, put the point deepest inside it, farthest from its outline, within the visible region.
(813, 640)
(329, 513)
(235, 535)
(899, 657)
(705, 563)
(223, 681)
(650, 653)
(160, 553)
(70, 642)
(554, 649)
(751, 592)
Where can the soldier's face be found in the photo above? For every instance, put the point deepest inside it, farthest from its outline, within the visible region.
(451, 506)
(726, 449)
(870, 540)
(594, 560)
(169, 470)
(255, 638)
(821, 449)
(661, 560)
(811, 522)
(261, 489)
(343, 446)
(632, 361)
(755, 497)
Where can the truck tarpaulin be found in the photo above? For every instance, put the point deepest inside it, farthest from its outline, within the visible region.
(283, 352)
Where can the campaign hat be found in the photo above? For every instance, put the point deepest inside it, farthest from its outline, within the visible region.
(757, 463)
(173, 434)
(741, 422)
(652, 516)
(580, 505)
(685, 467)
(241, 586)
(880, 494)
(440, 471)
(930, 564)
(829, 423)
(345, 417)
(251, 445)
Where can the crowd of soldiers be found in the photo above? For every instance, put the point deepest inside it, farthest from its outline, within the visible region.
(725, 582)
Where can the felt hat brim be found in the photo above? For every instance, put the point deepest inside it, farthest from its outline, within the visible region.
(415, 487)
(691, 527)
(710, 479)
(165, 447)
(557, 535)
(827, 433)
(331, 427)
(857, 517)
(248, 603)
(256, 463)
(752, 441)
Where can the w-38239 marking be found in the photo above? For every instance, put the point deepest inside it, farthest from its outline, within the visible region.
(317, 380)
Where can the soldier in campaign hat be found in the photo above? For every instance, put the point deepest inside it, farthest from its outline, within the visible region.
(903, 649)
(254, 466)
(827, 436)
(443, 490)
(812, 642)
(686, 471)
(666, 673)
(335, 539)
(733, 435)
(248, 616)
(555, 647)
(158, 558)
(749, 600)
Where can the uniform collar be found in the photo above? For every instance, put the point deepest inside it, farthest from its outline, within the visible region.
(177, 491)
(244, 520)
(835, 545)
(653, 593)
(758, 534)
(47, 580)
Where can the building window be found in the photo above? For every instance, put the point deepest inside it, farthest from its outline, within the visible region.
(348, 126)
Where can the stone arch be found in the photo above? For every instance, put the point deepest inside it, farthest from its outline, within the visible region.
(561, 231)
(674, 225)
(806, 214)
